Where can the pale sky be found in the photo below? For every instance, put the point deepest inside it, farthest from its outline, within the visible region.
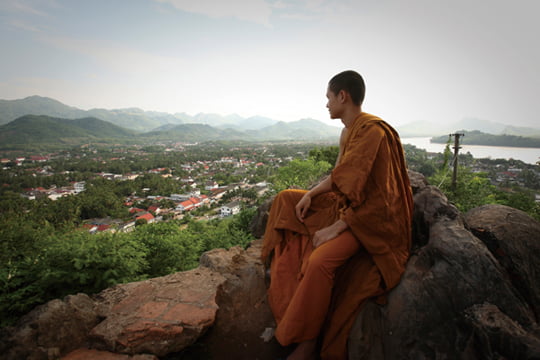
(434, 60)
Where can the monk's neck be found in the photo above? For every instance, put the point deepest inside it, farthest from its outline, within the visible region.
(350, 116)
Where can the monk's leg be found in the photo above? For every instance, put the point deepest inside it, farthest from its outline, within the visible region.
(285, 271)
(307, 309)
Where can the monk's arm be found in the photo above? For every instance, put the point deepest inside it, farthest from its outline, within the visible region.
(328, 233)
(323, 187)
(305, 202)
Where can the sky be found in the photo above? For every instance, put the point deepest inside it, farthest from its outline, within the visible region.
(422, 60)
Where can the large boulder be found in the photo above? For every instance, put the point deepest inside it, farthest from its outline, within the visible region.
(514, 240)
(210, 312)
(456, 300)
(50, 330)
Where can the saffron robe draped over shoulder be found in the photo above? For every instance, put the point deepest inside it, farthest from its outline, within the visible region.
(372, 194)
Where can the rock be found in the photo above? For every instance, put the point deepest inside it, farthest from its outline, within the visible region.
(50, 330)
(436, 310)
(499, 334)
(514, 239)
(91, 354)
(157, 316)
(243, 315)
(258, 223)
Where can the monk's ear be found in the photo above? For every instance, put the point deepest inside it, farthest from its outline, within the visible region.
(342, 96)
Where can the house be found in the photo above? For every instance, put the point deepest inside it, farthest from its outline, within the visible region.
(185, 206)
(231, 208)
(79, 186)
(146, 216)
(179, 197)
(36, 158)
(154, 209)
(196, 202)
(204, 199)
(211, 185)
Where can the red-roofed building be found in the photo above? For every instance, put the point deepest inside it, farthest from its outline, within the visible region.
(155, 209)
(195, 201)
(147, 216)
(36, 158)
(103, 227)
(204, 199)
(185, 206)
(134, 210)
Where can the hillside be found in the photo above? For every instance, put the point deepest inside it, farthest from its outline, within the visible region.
(193, 133)
(480, 138)
(129, 118)
(36, 105)
(40, 129)
(431, 128)
(305, 129)
(30, 130)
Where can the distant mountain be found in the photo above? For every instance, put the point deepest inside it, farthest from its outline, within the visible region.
(521, 131)
(193, 133)
(130, 118)
(480, 138)
(256, 123)
(37, 105)
(305, 129)
(41, 129)
(426, 128)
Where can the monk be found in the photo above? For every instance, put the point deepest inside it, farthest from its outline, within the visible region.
(344, 241)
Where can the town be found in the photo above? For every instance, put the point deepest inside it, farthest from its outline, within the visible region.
(205, 181)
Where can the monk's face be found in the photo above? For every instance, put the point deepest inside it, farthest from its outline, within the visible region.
(334, 104)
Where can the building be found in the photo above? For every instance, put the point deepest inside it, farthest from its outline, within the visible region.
(79, 186)
(231, 208)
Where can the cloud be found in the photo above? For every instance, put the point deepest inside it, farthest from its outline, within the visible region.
(257, 11)
(114, 56)
(23, 25)
(26, 7)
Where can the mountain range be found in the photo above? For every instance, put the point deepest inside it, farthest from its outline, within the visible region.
(37, 130)
(426, 128)
(183, 127)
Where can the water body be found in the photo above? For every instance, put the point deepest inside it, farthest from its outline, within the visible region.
(527, 155)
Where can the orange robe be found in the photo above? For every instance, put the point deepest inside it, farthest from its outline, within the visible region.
(372, 194)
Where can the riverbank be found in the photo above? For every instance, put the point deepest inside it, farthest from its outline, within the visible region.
(527, 155)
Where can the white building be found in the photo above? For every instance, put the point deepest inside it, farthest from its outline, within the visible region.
(231, 208)
(79, 186)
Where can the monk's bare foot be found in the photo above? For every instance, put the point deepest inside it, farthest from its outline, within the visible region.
(306, 350)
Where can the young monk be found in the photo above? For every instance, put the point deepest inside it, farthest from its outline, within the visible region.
(344, 241)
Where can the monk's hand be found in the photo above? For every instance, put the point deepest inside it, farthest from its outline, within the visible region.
(302, 207)
(329, 233)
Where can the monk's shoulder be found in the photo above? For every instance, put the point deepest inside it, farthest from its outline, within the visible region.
(370, 128)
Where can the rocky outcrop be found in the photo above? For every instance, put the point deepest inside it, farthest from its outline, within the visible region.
(216, 309)
(471, 290)
(456, 300)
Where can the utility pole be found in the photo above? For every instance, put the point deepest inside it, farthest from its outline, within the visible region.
(456, 152)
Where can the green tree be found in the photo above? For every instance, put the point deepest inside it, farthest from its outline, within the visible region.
(472, 190)
(300, 173)
(325, 153)
(82, 262)
(168, 248)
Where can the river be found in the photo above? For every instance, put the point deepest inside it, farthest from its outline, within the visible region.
(527, 155)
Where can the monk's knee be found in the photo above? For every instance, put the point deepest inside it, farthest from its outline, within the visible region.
(291, 196)
(319, 265)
